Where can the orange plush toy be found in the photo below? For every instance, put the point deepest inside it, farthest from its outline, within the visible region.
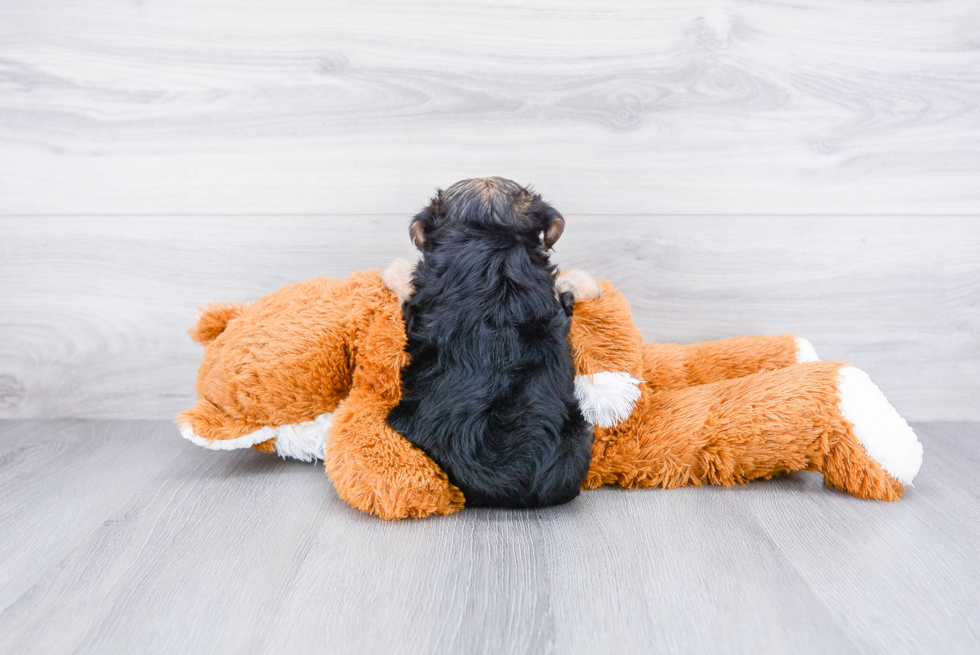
(311, 372)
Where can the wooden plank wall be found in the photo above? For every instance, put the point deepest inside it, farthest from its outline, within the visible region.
(735, 167)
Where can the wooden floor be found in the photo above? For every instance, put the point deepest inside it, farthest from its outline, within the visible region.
(118, 536)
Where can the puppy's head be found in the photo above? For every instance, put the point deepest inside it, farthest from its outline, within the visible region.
(487, 204)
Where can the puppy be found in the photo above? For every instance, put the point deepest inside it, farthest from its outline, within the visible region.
(489, 392)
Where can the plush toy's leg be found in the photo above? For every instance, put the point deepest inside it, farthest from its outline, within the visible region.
(380, 472)
(606, 350)
(603, 335)
(675, 366)
(206, 425)
(822, 416)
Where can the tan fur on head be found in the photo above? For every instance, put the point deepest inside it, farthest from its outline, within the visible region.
(398, 278)
(497, 200)
(496, 193)
(580, 284)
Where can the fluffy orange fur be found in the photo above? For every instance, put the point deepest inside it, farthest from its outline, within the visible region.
(721, 412)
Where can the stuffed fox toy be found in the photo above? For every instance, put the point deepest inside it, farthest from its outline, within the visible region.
(311, 372)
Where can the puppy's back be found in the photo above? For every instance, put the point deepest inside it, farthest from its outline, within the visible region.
(489, 392)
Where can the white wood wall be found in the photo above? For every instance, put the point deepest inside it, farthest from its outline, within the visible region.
(735, 167)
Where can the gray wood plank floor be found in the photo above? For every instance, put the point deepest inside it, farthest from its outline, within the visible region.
(117, 536)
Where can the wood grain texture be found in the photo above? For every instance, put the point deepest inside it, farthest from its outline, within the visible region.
(623, 106)
(128, 539)
(94, 310)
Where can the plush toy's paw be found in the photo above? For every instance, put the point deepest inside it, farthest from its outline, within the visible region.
(378, 471)
(398, 278)
(805, 351)
(303, 441)
(607, 399)
(580, 284)
(885, 435)
(391, 480)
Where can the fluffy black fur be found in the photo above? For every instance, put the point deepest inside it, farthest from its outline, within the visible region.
(489, 392)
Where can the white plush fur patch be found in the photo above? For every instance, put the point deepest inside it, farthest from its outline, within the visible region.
(805, 351)
(581, 285)
(607, 399)
(304, 441)
(398, 278)
(885, 435)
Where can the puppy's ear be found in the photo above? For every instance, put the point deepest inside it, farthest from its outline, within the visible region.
(425, 221)
(555, 227)
(551, 220)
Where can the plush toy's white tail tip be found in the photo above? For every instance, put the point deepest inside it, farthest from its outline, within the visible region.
(885, 435)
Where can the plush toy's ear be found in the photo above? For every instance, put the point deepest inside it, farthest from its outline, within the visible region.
(425, 221)
(551, 220)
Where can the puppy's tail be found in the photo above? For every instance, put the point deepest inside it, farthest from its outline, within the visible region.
(213, 320)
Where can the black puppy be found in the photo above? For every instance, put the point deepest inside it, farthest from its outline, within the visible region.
(489, 393)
